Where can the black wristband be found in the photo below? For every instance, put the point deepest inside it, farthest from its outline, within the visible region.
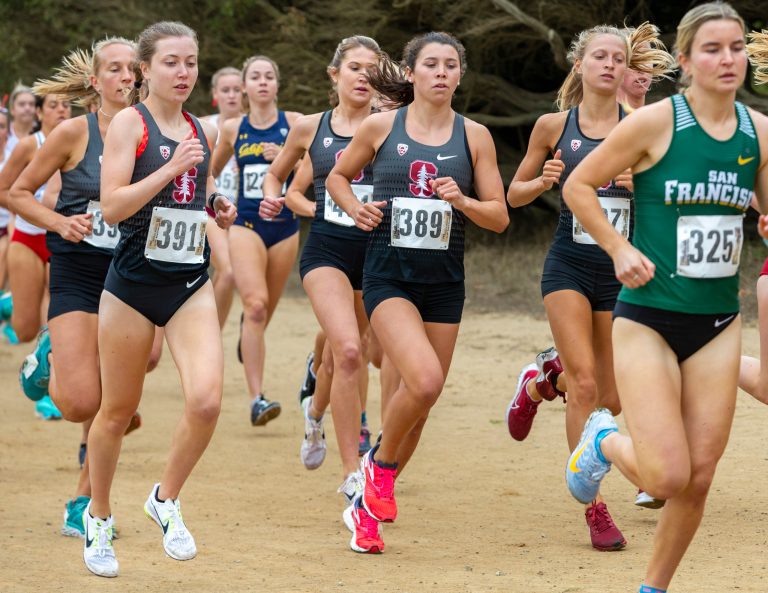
(212, 199)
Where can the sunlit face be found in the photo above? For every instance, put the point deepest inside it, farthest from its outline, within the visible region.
(717, 60)
(23, 108)
(604, 63)
(227, 94)
(350, 78)
(115, 77)
(636, 84)
(172, 72)
(261, 82)
(436, 72)
(54, 111)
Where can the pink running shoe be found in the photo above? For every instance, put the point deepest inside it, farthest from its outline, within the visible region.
(522, 408)
(366, 531)
(548, 363)
(605, 536)
(379, 490)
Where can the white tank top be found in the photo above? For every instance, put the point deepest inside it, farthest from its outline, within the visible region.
(21, 224)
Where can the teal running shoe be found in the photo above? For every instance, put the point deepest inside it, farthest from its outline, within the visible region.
(6, 305)
(587, 466)
(46, 409)
(73, 517)
(9, 334)
(35, 371)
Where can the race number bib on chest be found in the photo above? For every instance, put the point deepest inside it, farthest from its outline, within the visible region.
(103, 236)
(333, 213)
(617, 212)
(419, 223)
(176, 236)
(709, 246)
(253, 177)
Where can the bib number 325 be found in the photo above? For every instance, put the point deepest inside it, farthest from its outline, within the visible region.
(418, 223)
(709, 246)
(176, 236)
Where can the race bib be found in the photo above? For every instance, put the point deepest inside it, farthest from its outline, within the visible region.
(418, 223)
(617, 212)
(103, 235)
(226, 183)
(176, 236)
(709, 246)
(333, 212)
(253, 177)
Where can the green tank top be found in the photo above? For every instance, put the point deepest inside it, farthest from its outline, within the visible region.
(689, 211)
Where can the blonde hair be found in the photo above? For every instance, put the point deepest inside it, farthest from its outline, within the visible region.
(345, 45)
(19, 89)
(226, 71)
(758, 54)
(246, 65)
(72, 80)
(645, 53)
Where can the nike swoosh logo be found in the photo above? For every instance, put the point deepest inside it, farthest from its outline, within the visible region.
(719, 322)
(577, 455)
(743, 161)
(191, 284)
(88, 540)
(453, 156)
(164, 526)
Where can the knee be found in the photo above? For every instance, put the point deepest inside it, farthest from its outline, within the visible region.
(226, 276)
(582, 389)
(77, 410)
(205, 408)
(348, 357)
(256, 310)
(667, 482)
(24, 332)
(426, 389)
(154, 359)
(702, 475)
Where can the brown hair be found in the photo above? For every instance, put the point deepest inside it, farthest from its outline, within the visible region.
(345, 45)
(244, 72)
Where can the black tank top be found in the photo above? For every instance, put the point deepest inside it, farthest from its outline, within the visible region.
(575, 147)
(325, 150)
(79, 186)
(420, 249)
(185, 192)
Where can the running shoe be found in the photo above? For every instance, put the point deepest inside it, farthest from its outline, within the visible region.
(81, 452)
(10, 335)
(310, 380)
(550, 368)
(313, 446)
(35, 371)
(645, 500)
(586, 465)
(605, 536)
(178, 542)
(6, 306)
(45, 409)
(522, 409)
(98, 553)
(365, 441)
(74, 512)
(263, 410)
(352, 486)
(134, 423)
(366, 531)
(379, 488)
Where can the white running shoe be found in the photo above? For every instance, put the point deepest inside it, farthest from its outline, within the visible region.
(177, 540)
(352, 486)
(98, 553)
(313, 446)
(645, 500)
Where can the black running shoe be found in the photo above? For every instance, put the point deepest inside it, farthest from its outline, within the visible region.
(263, 410)
(309, 382)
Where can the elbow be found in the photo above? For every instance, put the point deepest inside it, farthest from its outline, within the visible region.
(513, 199)
(568, 191)
(108, 213)
(502, 223)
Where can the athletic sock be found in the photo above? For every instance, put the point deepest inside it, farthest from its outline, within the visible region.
(363, 419)
(599, 441)
(647, 589)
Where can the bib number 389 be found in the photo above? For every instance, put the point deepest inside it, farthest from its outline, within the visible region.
(333, 213)
(617, 212)
(709, 246)
(176, 236)
(418, 223)
(103, 236)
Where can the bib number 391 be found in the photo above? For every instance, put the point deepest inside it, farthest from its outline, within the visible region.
(104, 235)
(419, 223)
(617, 212)
(176, 236)
(709, 246)
(333, 213)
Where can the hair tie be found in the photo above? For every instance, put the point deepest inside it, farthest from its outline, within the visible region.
(137, 84)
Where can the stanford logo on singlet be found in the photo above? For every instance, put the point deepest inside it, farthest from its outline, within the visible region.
(359, 177)
(420, 173)
(185, 186)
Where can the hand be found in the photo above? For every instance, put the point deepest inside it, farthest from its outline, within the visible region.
(271, 207)
(369, 216)
(188, 153)
(625, 180)
(762, 226)
(75, 228)
(448, 190)
(632, 268)
(225, 212)
(271, 150)
(553, 168)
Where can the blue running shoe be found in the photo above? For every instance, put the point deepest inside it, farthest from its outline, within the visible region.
(46, 409)
(9, 334)
(73, 517)
(6, 305)
(35, 371)
(586, 466)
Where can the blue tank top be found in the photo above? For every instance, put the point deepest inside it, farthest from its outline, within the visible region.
(325, 150)
(421, 238)
(252, 166)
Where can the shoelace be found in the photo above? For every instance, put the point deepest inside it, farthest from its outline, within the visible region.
(387, 486)
(104, 541)
(369, 524)
(600, 518)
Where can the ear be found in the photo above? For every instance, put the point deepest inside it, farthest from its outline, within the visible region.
(94, 83)
(408, 74)
(333, 74)
(577, 66)
(144, 67)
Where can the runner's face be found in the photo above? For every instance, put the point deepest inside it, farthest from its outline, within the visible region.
(54, 111)
(227, 93)
(23, 108)
(115, 77)
(172, 72)
(636, 83)
(351, 80)
(718, 57)
(604, 63)
(436, 72)
(261, 83)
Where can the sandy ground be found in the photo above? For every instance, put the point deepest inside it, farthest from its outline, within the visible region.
(478, 512)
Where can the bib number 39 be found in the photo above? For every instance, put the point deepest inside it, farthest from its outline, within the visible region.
(176, 236)
(103, 236)
(709, 246)
(419, 223)
(617, 212)
(333, 213)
